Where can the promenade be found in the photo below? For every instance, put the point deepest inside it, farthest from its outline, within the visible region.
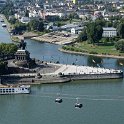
(53, 71)
(75, 69)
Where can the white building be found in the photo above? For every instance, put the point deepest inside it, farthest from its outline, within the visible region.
(33, 13)
(76, 30)
(68, 27)
(109, 32)
(25, 20)
(50, 13)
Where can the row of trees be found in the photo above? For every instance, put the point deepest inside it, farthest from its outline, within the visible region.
(8, 9)
(92, 32)
(33, 25)
(8, 48)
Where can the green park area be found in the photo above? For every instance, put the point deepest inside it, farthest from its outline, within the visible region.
(93, 49)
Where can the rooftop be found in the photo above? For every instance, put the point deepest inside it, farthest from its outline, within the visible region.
(109, 28)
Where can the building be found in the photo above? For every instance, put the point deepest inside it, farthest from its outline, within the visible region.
(2, 3)
(109, 32)
(25, 20)
(68, 27)
(76, 30)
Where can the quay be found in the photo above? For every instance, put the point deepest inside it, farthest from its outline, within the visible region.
(62, 73)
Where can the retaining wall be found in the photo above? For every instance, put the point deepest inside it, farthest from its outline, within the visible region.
(95, 76)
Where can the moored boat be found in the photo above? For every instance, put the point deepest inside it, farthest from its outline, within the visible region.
(2, 20)
(4, 25)
(12, 89)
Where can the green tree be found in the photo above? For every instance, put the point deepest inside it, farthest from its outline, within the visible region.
(12, 20)
(121, 30)
(36, 25)
(100, 22)
(91, 32)
(8, 48)
(119, 45)
(19, 27)
(40, 26)
(3, 66)
(27, 13)
(8, 9)
(98, 33)
(82, 36)
(94, 32)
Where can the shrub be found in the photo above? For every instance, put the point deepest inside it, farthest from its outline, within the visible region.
(93, 52)
(119, 45)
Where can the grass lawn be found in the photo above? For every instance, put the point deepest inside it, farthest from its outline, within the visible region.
(95, 49)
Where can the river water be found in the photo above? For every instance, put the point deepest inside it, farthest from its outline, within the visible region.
(103, 100)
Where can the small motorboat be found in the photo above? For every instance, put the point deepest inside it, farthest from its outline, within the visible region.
(58, 100)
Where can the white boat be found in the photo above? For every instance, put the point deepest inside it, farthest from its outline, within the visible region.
(4, 25)
(12, 89)
(2, 20)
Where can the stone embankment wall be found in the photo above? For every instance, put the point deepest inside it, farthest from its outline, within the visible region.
(33, 80)
(95, 76)
(59, 79)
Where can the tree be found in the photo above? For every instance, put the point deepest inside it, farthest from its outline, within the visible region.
(12, 20)
(8, 9)
(121, 30)
(3, 66)
(27, 13)
(8, 48)
(40, 26)
(94, 32)
(91, 32)
(82, 36)
(36, 25)
(100, 22)
(98, 33)
(19, 27)
(119, 45)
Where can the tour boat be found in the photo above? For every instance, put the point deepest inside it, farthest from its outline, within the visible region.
(12, 89)
(3, 25)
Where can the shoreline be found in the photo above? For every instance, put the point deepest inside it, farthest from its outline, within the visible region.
(88, 54)
(35, 37)
(65, 73)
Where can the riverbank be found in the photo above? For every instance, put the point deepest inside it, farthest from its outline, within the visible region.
(89, 54)
(9, 26)
(56, 38)
(61, 73)
(26, 35)
(59, 38)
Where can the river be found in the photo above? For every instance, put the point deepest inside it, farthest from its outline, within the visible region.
(103, 100)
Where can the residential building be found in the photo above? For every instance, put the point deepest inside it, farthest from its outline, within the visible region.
(109, 32)
(25, 20)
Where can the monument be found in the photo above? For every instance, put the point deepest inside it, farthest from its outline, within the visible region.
(22, 56)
